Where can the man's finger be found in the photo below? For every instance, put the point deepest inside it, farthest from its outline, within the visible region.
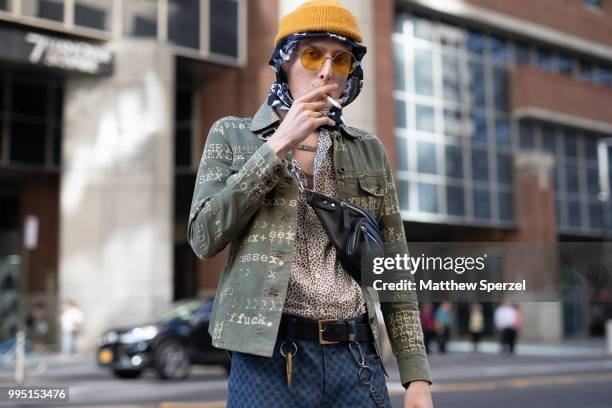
(315, 106)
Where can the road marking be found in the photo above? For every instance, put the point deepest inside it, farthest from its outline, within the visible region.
(522, 382)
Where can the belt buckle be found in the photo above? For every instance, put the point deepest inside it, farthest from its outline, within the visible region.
(321, 330)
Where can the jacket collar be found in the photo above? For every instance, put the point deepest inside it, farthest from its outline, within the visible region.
(266, 117)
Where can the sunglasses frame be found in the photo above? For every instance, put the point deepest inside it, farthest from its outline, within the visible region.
(325, 57)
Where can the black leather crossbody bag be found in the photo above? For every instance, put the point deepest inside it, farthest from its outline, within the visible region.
(351, 229)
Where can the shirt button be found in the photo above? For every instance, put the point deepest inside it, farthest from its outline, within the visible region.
(281, 263)
(317, 275)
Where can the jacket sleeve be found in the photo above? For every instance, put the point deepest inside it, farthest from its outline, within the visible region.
(400, 308)
(226, 196)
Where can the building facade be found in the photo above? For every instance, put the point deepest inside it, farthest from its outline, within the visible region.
(490, 110)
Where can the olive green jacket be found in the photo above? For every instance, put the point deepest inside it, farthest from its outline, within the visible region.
(244, 196)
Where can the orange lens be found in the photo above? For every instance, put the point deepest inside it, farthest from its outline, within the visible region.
(312, 58)
(344, 63)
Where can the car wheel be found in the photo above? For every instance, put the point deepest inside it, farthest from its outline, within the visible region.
(127, 373)
(172, 361)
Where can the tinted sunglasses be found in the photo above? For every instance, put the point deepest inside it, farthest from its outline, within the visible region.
(313, 58)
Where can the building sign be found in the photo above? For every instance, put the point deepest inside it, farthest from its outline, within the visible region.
(45, 50)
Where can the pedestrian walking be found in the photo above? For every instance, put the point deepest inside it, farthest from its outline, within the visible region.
(444, 322)
(505, 320)
(301, 330)
(476, 325)
(71, 323)
(428, 323)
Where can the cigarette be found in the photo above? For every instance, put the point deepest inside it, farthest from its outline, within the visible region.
(333, 102)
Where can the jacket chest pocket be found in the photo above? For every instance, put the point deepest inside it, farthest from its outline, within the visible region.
(370, 193)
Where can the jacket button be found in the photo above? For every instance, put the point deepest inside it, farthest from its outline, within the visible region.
(277, 169)
(341, 170)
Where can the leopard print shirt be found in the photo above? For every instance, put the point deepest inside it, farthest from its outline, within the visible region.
(319, 288)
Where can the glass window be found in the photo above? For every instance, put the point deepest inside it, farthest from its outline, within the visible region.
(480, 165)
(399, 23)
(184, 23)
(499, 50)
(428, 197)
(224, 27)
(58, 108)
(401, 153)
(426, 157)
(592, 181)
(595, 215)
(526, 135)
(544, 59)
(451, 36)
(2, 88)
(476, 42)
(502, 132)
(57, 146)
(482, 204)
(506, 206)
(548, 139)
(29, 99)
(565, 64)
(399, 65)
(140, 18)
(403, 193)
(590, 146)
(479, 128)
(455, 200)
(425, 118)
(559, 208)
(454, 161)
(521, 53)
(501, 90)
(597, 4)
(451, 78)
(570, 143)
(183, 105)
(573, 212)
(586, 72)
(423, 72)
(571, 178)
(423, 28)
(604, 76)
(182, 150)
(27, 142)
(453, 122)
(504, 168)
(48, 9)
(93, 14)
(400, 114)
(3, 4)
(477, 84)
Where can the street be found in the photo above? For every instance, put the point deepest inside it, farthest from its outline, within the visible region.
(538, 376)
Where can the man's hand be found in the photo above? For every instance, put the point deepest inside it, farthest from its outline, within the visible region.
(303, 118)
(418, 395)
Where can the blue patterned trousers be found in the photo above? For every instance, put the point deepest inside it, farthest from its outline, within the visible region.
(323, 376)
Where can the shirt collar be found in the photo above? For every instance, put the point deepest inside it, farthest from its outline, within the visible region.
(265, 117)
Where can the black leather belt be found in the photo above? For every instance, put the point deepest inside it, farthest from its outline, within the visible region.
(326, 331)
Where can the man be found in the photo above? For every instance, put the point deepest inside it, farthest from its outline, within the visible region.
(302, 331)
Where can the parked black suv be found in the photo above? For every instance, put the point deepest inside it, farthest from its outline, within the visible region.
(170, 344)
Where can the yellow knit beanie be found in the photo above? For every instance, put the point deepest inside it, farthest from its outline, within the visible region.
(320, 15)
